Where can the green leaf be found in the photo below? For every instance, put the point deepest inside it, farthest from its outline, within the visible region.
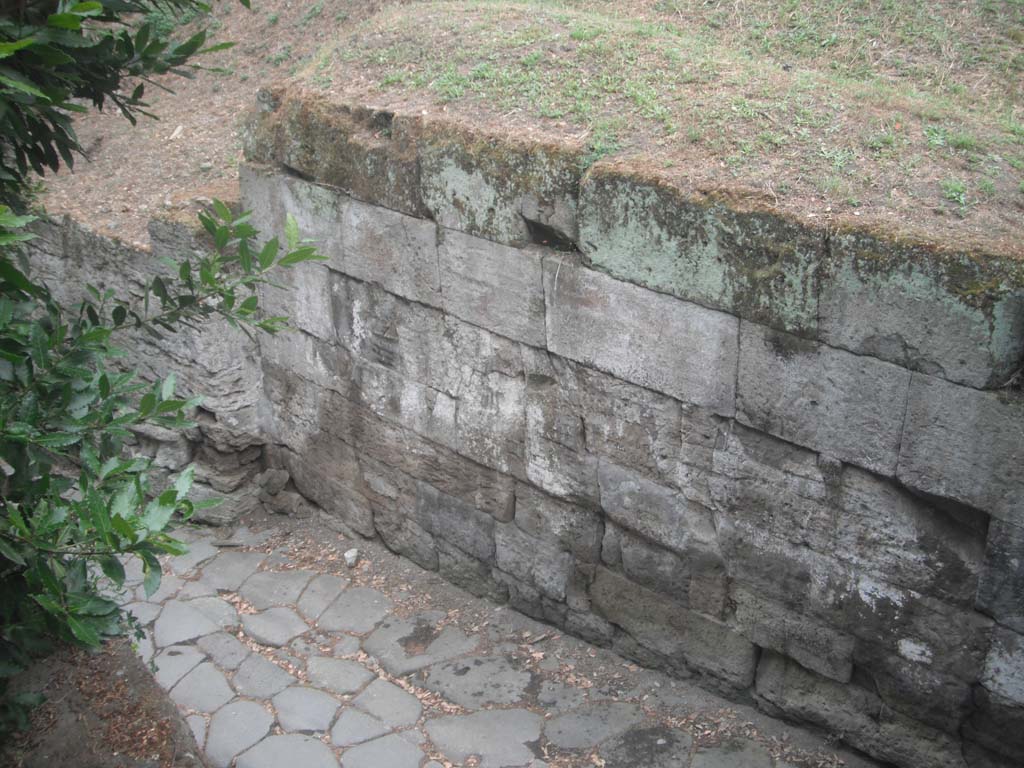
(184, 482)
(152, 573)
(8, 49)
(269, 253)
(113, 569)
(84, 632)
(167, 390)
(7, 550)
(306, 253)
(291, 232)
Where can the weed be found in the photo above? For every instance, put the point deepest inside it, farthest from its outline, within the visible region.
(281, 55)
(451, 84)
(531, 59)
(313, 12)
(604, 141)
(272, 19)
(987, 187)
(965, 142)
(585, 34)
(955, 191)
(935, 136)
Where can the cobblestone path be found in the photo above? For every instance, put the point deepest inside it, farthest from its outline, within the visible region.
(283, 657)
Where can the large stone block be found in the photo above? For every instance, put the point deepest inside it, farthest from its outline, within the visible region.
(659, 514)
(647, 564)
(303, 295)
(498, 189)
(754, 264)
(882, 299)
(997, 724)
(840, 404)
(1003, 674)
(577, 530)
(455, 522)
(965, 445)
(854, 715)
(475, 576)
(492, 285)
(542, 564)
(656, 341)
(1001, 584)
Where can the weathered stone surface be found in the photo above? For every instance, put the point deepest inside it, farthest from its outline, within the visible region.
(218, 610)
(225, 650)
(355, 727)
(499, 737)
(854, 712)
(144, 612)
(260, 678)
(1001, 584)
(658, 513)
(305, 710)
(337, 675)
(966, 445)
(197, 724)
(1003, 674)
(466, 571)
(455, 521)
(649, 746)
(753, 264)
(358, 609)
(840, 404)
(267, 589)
(493, 286)
(674, 632)
(393, 751)
(406, 645)
(478, 681)
(734, 753)
(997, 724)
(534, 561)
(587, 727)
(389, 704)
(274, 627)
(576, 529)
(229, 569)
(174, 663)
(320, 593)
(493, 189)
(179, 622)
(290, 749)
(204, 689)
(881, 299)
(653, 340)
(233, 729)
(198, 552)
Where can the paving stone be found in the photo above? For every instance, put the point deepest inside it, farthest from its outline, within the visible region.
(169, 586)
(196, 588)
(478, 681)
(174, 663)
(392, 751)
(321, 592)
(347, 646)
(260, 678)
(143, 612)
(243, 537)
(228, 570)
(650, 747)
(406, 645)
(337, 675)
(305, 709)
(735, 753)
(355, 727)
(233, 729)
(557, 697)
(144, 647)
(204, 689)
(199, 552)
(265, 589)
(499, 737)
(217, 610)
(179, 622)
(587, 727)
(356, 610)
(389, 704)
(197, 724)
(289, 750)
(225, 650)
(275, 627)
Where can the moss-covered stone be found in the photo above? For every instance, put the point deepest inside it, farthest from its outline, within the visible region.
(752, 263)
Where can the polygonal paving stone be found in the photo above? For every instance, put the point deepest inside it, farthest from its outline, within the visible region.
(143, 647)
(224, 649)
(144, 613)
(216, 609)
(355, 727)
(338, 675)
(260, 678)
(499, 737)
(204, 689)
(179, 622)
(392, 751)
(389, 704)
(233, 729)
(321, 592)
(346, 646)
(265, 589)
(275, 627)
(559, 698)
(169, 586)
(652, 747)
(229, 569)
(356, 610)
(174, 663)
(478, 681)
(289, 750)
(405, 645)
(305, 709)
(243, 537)
(199, 551)
(589, 726)
(197, 724)
(735, 753)
(196, 589)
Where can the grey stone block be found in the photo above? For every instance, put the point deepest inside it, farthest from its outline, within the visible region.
(179, 622)
(500, 737)
(534, 561)
(588, 727)
(1001, 585)
(358, 609)
(882, 299)
(455, 521)
(658, 513)
(734, 753)
(174, 663)
(649, 746)
(320, 593)
(478, 681)
(290, 749)
(656, 341)
(576, 529)
(228, 570)
(337, 675)
(234, 728)
(406, 645)
(393, 751)
(224, 649)
(259, 678)
(494, 286)
(305, 710)
(274, 627)
(218, 610)
(389, 704)
(204, 689)
(475, 576)
(197, 724)
(965, 445)
(355, 727)
(267, 589)
(834, 402)
(1003, 674)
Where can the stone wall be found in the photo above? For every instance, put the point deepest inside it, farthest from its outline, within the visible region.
(777, 458)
